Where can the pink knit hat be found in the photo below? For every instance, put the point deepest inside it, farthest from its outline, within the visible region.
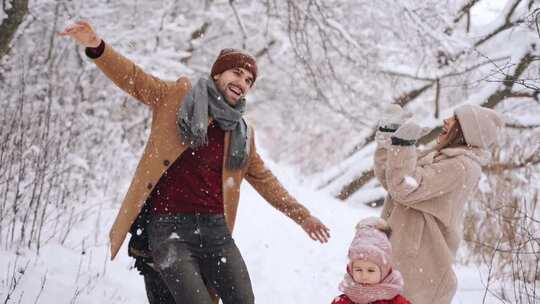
(480, 125)
(371, 244)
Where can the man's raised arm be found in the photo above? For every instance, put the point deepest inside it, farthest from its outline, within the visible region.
(124, 73)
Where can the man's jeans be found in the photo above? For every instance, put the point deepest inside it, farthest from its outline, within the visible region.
(156, 290)
(189, 249)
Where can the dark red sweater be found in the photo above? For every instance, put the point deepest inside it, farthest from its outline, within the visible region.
(193, 183)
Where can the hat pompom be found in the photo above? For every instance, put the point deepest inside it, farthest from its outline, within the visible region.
(375, 222)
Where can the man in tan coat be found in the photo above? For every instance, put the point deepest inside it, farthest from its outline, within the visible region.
(187, 183)
(427, 193)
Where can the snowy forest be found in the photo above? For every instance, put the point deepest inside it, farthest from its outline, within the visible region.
(70, 139)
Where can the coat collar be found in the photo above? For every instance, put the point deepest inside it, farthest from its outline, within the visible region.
(478, 155)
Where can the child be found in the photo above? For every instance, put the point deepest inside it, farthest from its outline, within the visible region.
(370, 278)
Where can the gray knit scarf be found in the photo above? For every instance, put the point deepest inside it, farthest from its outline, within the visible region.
(192, 119)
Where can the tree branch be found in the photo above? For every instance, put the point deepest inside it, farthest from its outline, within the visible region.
(521, 126)
(355, 185)
(240, 23)
(401, 100)
(198, 33)
(532, 160)
(446, 75)
(506, 25)
(465, 10)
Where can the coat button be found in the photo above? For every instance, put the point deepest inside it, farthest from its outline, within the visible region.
(166, 162)
(149, 186)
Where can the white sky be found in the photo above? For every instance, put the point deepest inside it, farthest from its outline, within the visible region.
(486, 11)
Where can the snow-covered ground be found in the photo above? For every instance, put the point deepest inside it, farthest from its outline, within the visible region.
(285, 265)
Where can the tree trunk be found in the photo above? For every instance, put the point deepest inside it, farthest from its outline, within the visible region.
(15, 16)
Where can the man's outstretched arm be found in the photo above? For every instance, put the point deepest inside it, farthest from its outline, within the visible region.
(124, 73)
(269, 187)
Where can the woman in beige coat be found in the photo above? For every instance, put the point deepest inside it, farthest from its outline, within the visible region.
(427, 193)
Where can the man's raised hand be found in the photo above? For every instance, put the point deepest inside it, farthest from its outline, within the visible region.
(83, 33)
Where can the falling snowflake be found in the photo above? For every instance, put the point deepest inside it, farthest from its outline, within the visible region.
(229, 183)
(409, 180)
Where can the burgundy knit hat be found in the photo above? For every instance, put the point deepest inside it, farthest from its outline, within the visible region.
(233, 58)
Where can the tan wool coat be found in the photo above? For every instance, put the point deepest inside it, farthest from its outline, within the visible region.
(164, 147)
(425, 209)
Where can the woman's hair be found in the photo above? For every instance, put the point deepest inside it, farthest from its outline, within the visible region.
(455, 137)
